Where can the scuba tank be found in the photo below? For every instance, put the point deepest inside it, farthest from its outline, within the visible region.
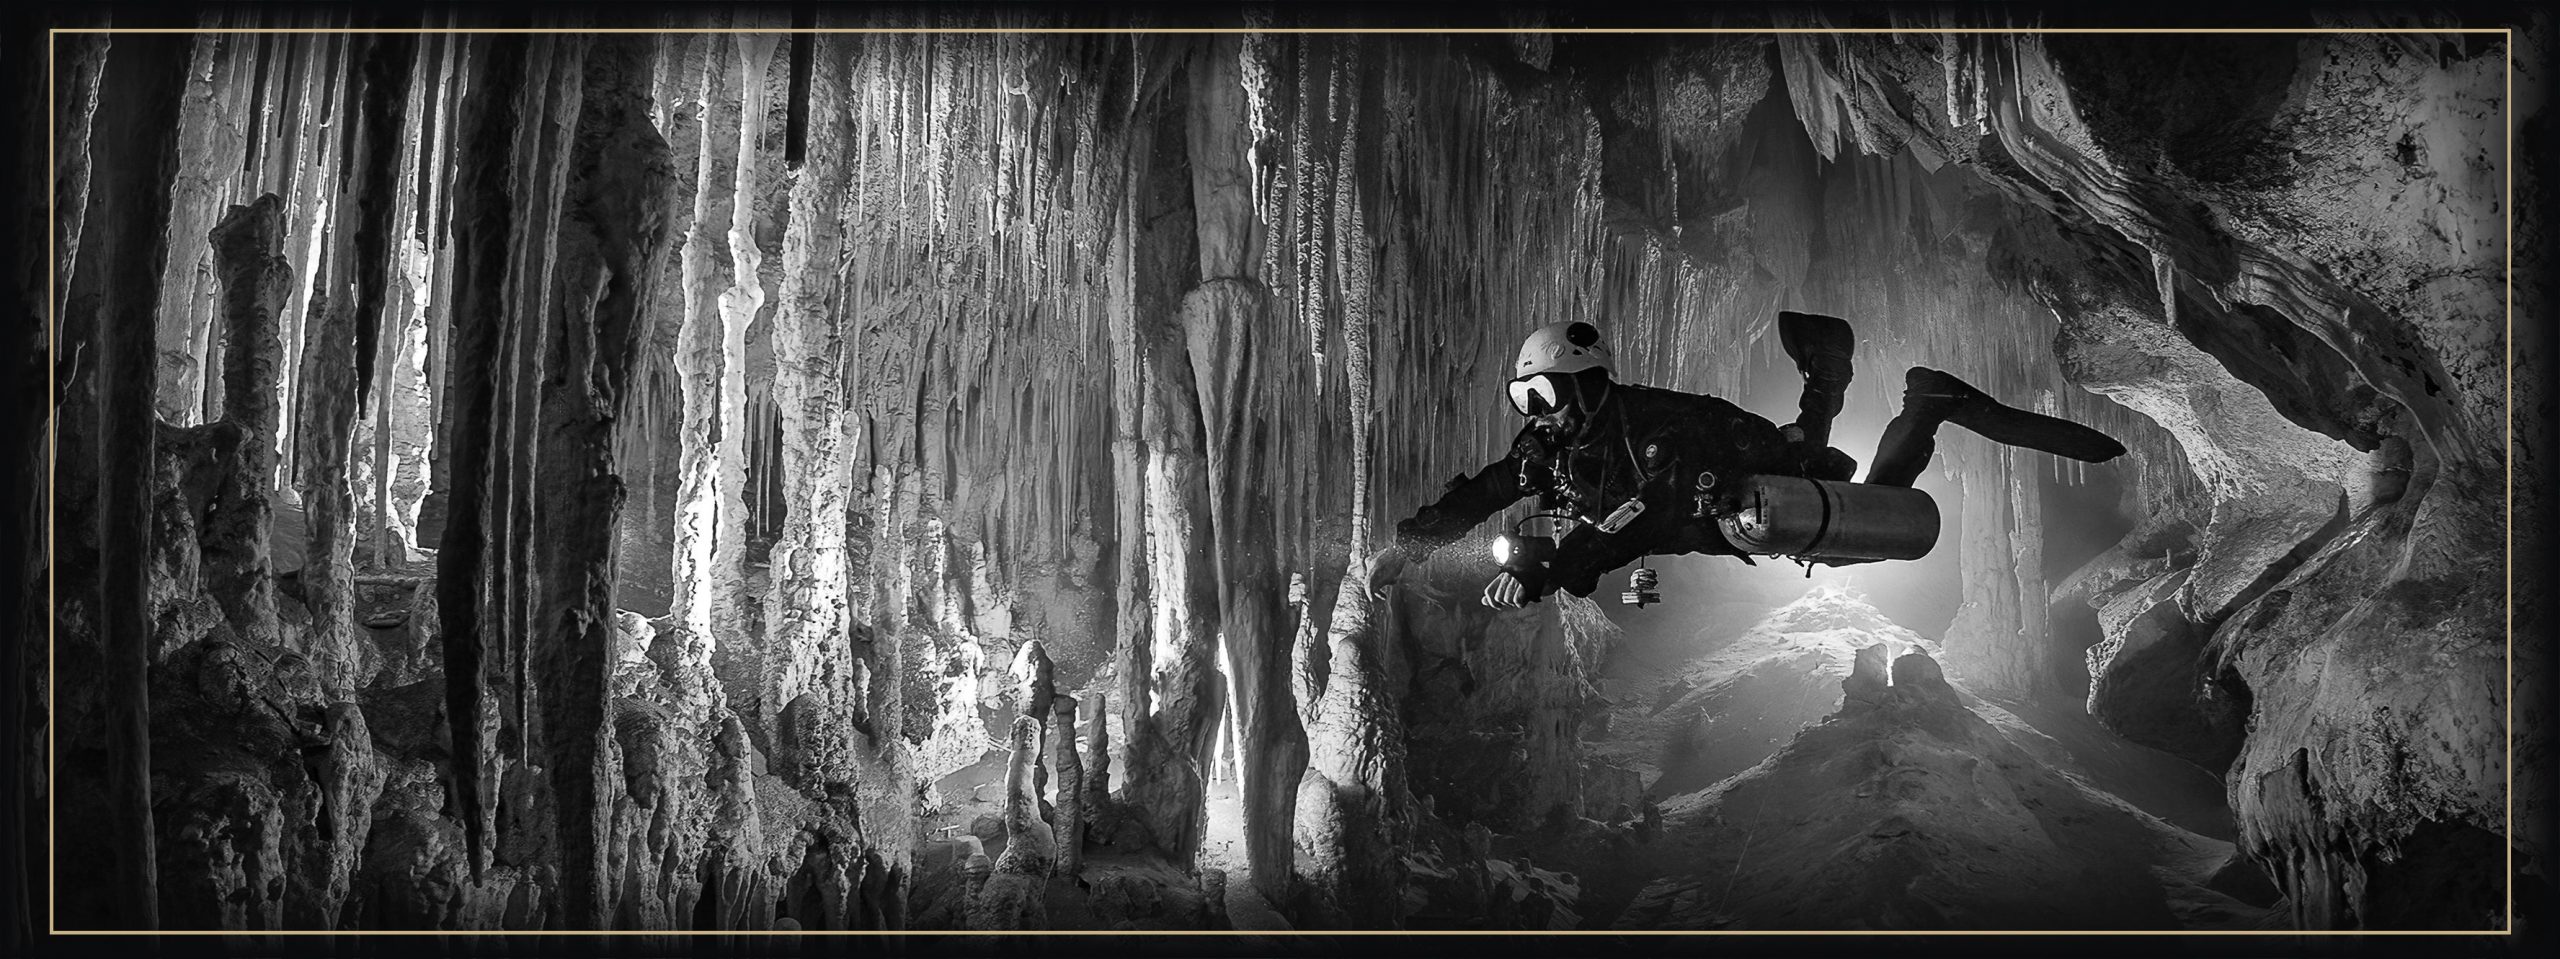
(1813, 519)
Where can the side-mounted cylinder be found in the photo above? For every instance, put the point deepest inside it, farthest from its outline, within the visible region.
(1824, 519)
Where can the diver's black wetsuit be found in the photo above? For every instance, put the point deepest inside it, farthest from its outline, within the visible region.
(1644, 442)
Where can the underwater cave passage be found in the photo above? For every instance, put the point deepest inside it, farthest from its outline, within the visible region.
(1275, 481)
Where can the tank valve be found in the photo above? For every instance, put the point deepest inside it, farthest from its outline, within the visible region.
(1702, 504)
(1641, 588)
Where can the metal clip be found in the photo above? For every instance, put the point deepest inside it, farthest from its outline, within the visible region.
(1625, 513)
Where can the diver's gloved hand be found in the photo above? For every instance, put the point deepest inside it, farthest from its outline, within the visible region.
(1508, 591)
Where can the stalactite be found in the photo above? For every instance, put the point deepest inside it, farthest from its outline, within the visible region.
(1352, 259)
(544, 135)
(75, 106)
(193, 204)
(483, 220)
(703, 363)
(408, 452)
(742, 423)
(1312, 204)
(312, 206)
(392, 110)
(452, 84)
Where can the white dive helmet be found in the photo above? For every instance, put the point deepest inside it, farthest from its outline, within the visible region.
(1569, 347)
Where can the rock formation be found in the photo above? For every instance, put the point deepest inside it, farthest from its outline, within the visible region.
(1014, 894)
(1351, 807)
(1909, 811)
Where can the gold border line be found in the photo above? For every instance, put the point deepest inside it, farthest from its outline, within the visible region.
(52, 440)
(2508, 113)
(944, 933)
(1091, 31)
(52, 566)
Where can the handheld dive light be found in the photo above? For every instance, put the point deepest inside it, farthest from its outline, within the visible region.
(1523, 556)
(1517, 553)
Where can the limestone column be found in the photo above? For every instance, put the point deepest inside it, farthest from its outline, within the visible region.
(483, 218)
(1223, 322)
(134, 153)
(611, 233)
(814, 693)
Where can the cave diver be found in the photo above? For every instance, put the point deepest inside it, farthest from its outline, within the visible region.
(1623, 463)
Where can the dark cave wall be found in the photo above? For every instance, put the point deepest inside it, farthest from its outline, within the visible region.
(26, 495)
(900, 353)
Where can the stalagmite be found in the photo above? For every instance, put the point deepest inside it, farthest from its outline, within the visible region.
(1068, 773)
(975, 870)
(238, 569)
(1350, 828)
(1213, 894)
(1035, 681)
(339, 752)
(1096, 763)
(322, 448)
(1014, 897)
(1035, 689)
